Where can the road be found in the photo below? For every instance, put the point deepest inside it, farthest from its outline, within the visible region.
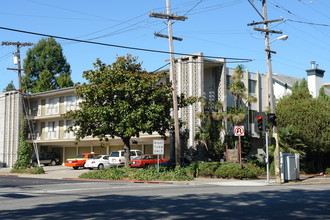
(31, 198)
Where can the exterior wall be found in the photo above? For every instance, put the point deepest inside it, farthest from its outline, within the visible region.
(49, 130)
(9, 127)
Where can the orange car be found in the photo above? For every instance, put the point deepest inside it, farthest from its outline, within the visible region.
(79, 160)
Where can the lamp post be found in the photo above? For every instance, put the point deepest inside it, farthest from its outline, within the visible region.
(272, 101)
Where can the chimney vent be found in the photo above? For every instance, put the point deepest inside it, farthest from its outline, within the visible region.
(313, 64)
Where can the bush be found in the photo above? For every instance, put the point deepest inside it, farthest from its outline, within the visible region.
(207, 169)
(113, 174)
(234, 170)
(259, 170)
(327, 171)
(150, 174)
(32, 170)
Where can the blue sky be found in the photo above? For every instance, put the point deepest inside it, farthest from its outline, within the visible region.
(215, 27)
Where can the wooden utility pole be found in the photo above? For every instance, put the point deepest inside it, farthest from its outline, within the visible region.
(18, 55)
(265, 22)
(169, 18)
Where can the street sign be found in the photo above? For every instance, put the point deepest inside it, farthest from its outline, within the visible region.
(239, 130)
(158, 147)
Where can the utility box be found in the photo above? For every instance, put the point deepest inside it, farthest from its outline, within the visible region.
(289, 164)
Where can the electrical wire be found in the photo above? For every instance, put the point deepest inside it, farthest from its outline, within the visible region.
(118, 46)
(309, 23)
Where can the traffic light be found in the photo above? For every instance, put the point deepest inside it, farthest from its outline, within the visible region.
(259, 122)
(271, 119)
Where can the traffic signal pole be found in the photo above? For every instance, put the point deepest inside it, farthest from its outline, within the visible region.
(267, 157)
(267, 32)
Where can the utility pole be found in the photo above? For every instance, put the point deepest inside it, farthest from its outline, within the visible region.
(265, 22)
(170, 17)
(18, 55)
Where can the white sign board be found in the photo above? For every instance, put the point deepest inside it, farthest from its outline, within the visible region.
(239, 130)
(158, 147)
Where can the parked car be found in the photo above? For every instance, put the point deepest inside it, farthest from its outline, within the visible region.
(171, 163)
(79, 160)
(46, 158)
(99, 162)
(146, 160)
(117, 158)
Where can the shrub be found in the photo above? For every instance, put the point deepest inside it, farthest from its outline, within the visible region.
(150, 174)
(234, 170)
(327, 171)
(113, 174)
(207, 169)
(32, 170)
(259, 170)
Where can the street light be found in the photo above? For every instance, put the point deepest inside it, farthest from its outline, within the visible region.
(271, 99)
(283, 37)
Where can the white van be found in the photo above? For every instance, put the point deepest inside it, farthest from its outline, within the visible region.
(117, 158)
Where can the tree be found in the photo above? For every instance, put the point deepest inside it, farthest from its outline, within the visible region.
(209, 134)
(237, 114)
(48, 65)
(9, 87)
(309, 119)
(122, 100)
(25, 148)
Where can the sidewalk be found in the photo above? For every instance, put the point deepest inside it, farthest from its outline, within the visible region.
(62, 172)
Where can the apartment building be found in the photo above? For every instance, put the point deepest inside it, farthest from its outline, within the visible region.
(195, 75)
(201, 77)
(48, 128)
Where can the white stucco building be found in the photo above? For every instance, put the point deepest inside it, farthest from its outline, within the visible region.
(196, 76)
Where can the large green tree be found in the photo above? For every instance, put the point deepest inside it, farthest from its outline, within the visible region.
(48, 67)
(307, 118)
(122, 100)
(9, 87)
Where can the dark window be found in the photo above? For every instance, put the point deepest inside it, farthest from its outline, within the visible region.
(252, 86)
(114, 154)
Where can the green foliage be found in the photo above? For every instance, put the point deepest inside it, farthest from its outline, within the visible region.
(256, 167)
(238, 90)
(327, 171)
(207, 169)
(9, 87)
(236, 115)
(308, 119)
(122, 100)
(234, 170)
(32, 170)
(150, 174)
(209, 134)
(323, 95)
(48, 65)
(24, 149)
(290, 141)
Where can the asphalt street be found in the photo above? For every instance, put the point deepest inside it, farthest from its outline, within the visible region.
(39, 198)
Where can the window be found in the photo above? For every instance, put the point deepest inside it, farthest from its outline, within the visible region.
(51, 130)
(251, 115)
(252, 86)
(34, 108)
(52, 106)
(228, 80)
(68, 134)
(71, 102)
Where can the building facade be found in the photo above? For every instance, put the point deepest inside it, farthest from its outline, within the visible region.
(195, 75)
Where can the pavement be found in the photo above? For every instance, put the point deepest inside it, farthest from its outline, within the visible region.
(62, 172)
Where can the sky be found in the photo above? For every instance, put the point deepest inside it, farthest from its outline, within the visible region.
(217, 28)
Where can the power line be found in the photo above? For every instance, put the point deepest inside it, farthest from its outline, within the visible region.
(310, 23)
(118, 46)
